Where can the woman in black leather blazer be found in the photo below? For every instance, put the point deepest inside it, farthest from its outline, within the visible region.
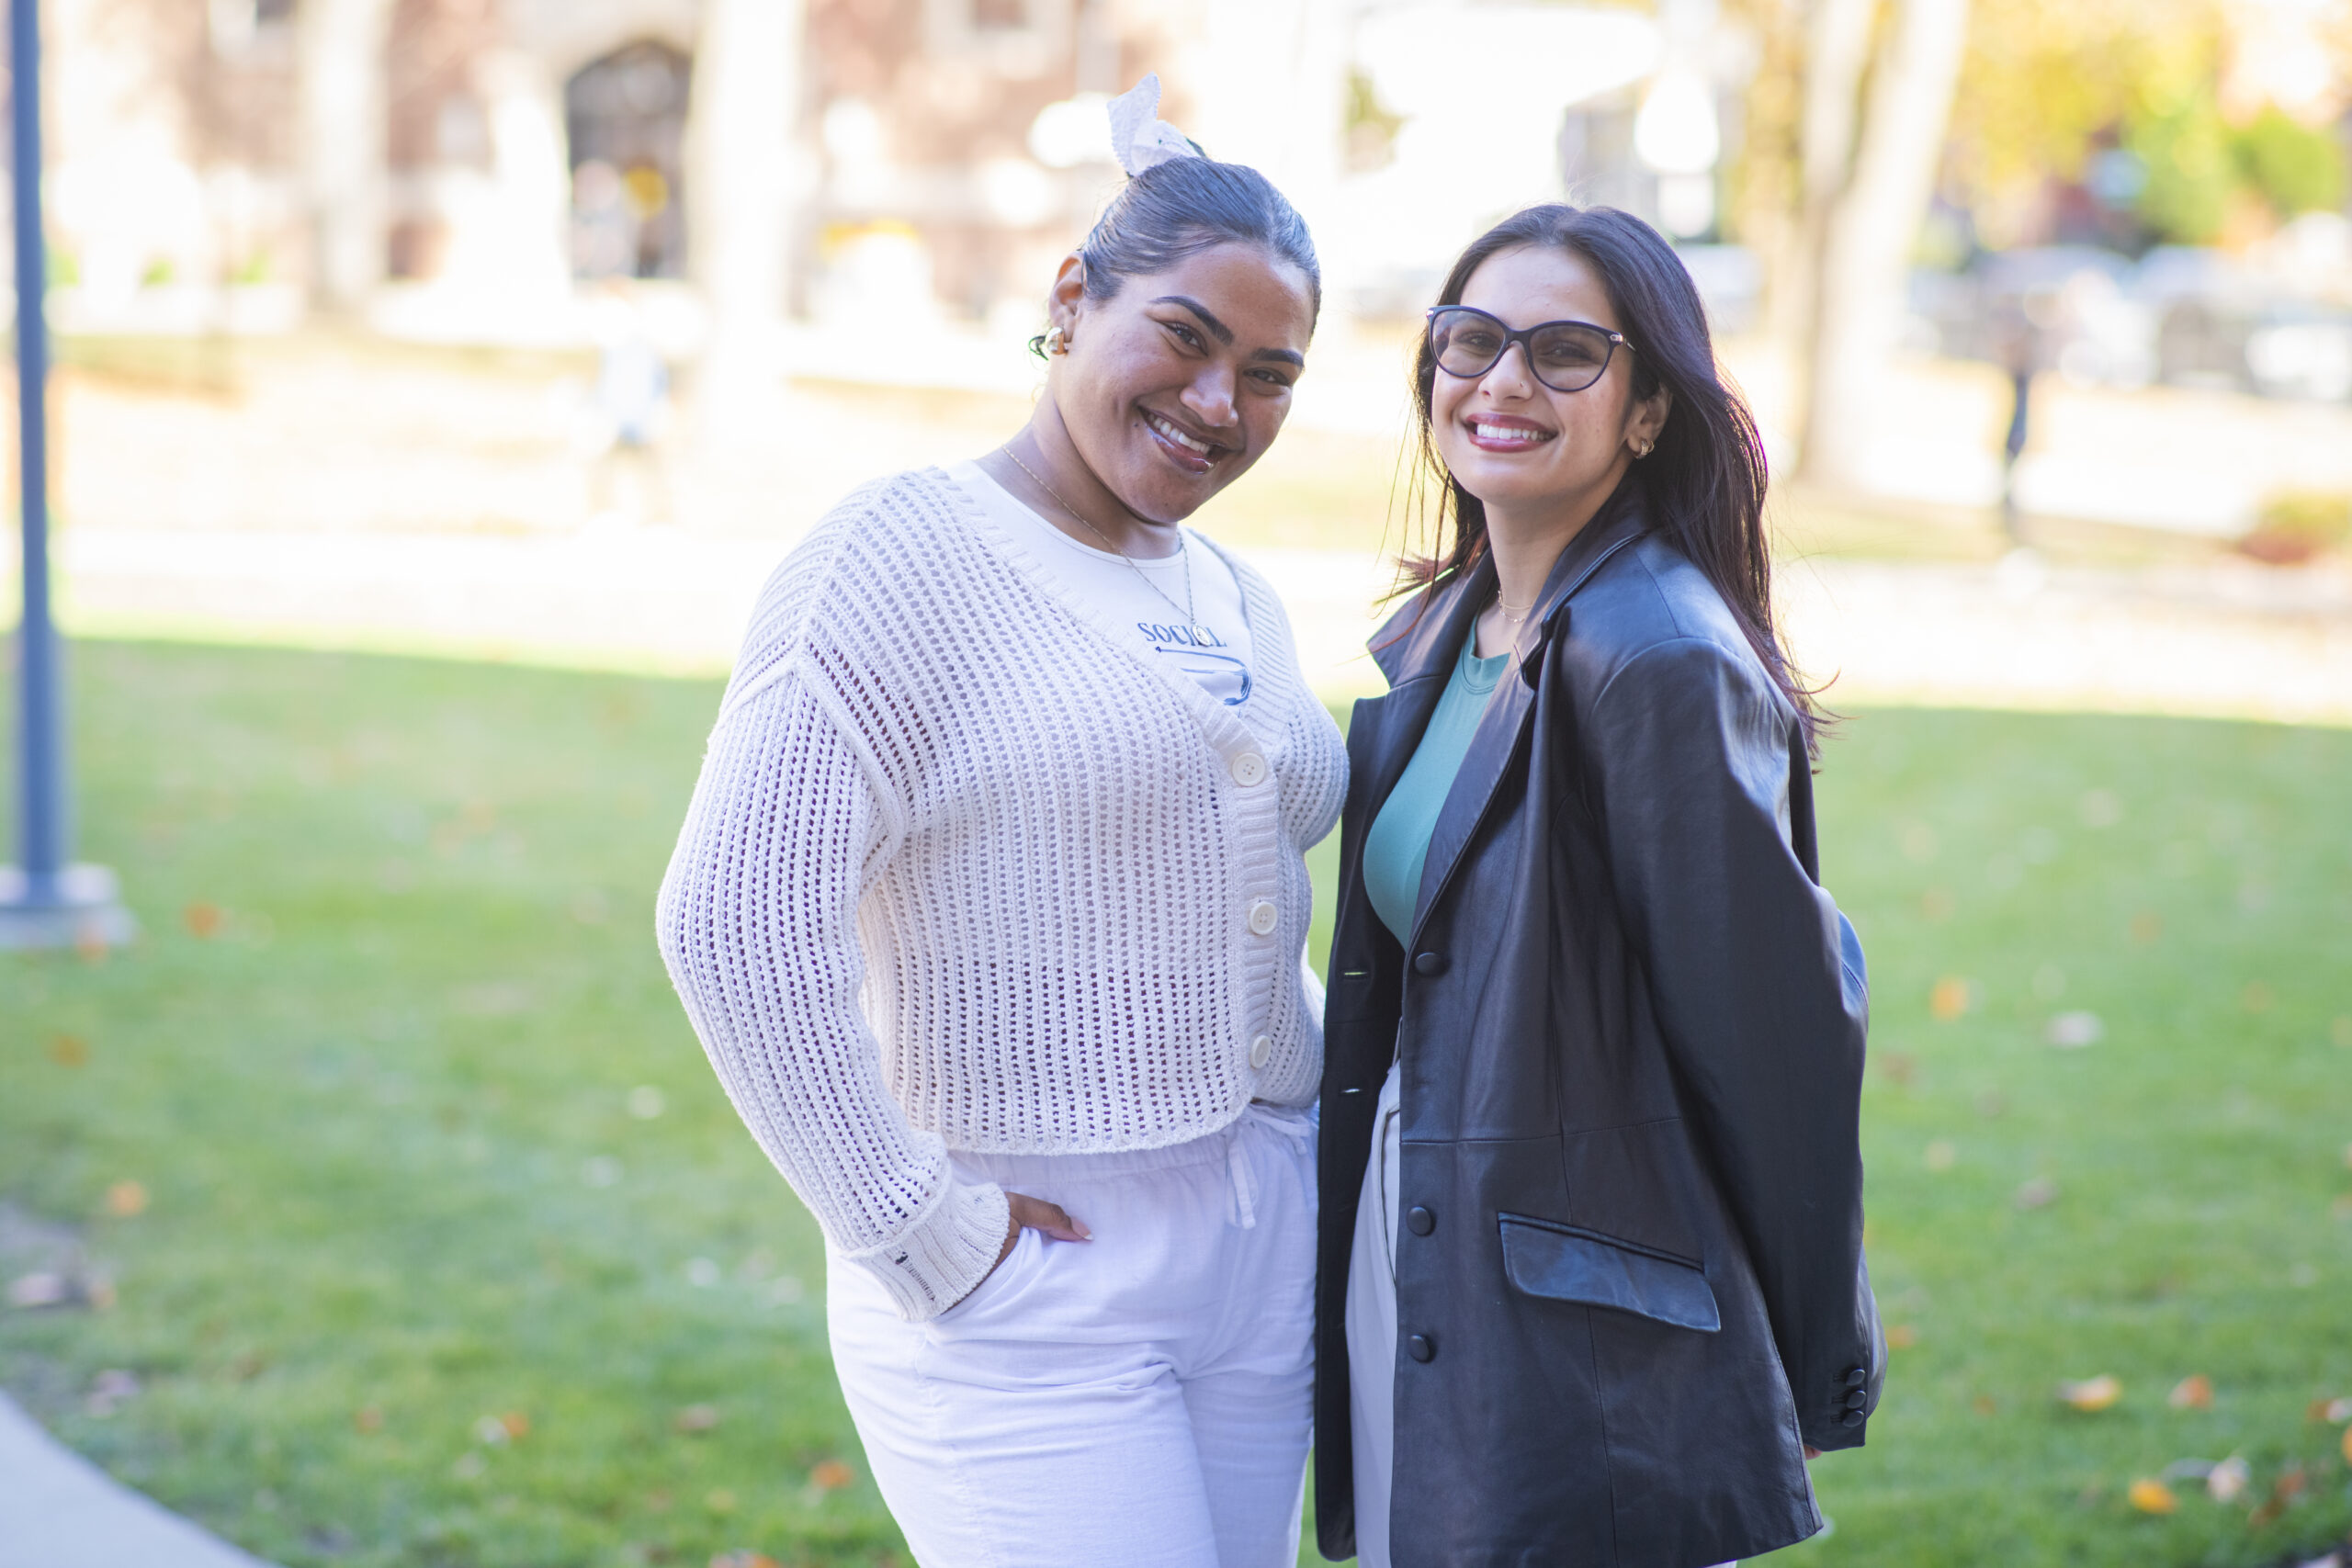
(1620, 1195)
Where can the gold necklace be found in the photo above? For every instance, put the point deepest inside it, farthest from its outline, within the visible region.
(1199, 633)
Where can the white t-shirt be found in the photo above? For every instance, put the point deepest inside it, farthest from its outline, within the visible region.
(1214, 650)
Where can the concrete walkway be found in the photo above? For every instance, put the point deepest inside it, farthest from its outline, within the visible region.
(58, 1510)
(2228, 639)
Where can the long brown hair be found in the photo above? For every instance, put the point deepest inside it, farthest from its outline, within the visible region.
(1702, 485)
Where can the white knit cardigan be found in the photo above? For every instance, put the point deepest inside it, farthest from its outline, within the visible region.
(970, 867)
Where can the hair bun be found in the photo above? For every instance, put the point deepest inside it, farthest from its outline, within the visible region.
(1138, 136)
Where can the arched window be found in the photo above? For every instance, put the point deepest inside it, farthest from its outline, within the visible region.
(626, 117)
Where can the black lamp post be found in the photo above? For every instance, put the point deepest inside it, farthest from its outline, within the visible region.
(45, 900)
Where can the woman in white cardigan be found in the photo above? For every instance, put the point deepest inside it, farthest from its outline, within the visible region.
(990, 912)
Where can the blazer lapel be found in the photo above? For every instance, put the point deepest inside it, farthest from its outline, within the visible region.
(1496, 740)
(1415, 650)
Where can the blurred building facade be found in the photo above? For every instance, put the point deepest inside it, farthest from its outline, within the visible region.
(461, 167)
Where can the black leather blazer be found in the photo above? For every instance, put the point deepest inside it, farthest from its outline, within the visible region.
(1630, 1279)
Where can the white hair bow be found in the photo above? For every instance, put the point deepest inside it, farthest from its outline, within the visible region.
(1138, 136)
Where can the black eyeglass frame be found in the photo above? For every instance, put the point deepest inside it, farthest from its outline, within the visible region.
(1525, 338)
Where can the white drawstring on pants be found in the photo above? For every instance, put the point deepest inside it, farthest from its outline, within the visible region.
(1241, 1181)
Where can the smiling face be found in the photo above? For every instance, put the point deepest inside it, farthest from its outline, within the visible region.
(1523, 449)
(1173, 387)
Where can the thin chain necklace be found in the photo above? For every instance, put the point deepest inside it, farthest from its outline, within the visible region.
(1183, 549)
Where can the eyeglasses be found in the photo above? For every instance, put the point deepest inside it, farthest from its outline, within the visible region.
(1567, 356)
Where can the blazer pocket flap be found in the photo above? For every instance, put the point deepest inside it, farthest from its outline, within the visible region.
(1561, 1263)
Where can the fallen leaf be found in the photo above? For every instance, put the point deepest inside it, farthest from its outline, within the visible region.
(2227, 1482)
(2347, 1445)
(1982, 1404)
(2193, 1393)
(1949, 999)
(831, 1476)
(1902, 1336)
(517, 1425)
(73, 1051)
(367, 1419)
(697, 1419)
(125, 1199)
(2073, 1031)
(40, 1290)
(2288, 1487)
(2092, 1394)
(2152, 1498)
(2038, 1193)
(204, 921)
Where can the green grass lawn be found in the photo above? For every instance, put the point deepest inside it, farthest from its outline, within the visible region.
(425, 1151)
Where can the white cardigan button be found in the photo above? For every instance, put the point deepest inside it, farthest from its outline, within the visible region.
(1248, 768)
(1264, 916)
(1262, 1051)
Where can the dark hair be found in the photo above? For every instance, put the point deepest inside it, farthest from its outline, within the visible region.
(1184, 207)
(1702, 485)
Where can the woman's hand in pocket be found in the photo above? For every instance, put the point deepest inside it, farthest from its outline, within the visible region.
(1048, 1220)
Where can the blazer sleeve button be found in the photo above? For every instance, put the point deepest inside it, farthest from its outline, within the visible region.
(1429, 963)
(1857, 1376)
(1851, 1419)
(1421, 1347)
(1419, 1221)
(1856, 1400)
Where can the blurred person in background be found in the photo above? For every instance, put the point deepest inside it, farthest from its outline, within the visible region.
(631, 402)
(1592, 1282)
(990, 910)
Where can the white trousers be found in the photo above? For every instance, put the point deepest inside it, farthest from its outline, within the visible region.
(1372, 1331)
(1141, 1399)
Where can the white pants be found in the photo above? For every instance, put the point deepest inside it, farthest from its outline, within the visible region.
(1372, 1330)
(1141, 1399)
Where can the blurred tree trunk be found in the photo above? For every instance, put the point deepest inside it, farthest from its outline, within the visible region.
(341, 52)
(1871, 155)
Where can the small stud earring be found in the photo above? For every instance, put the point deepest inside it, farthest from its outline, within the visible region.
(1643, 450)
(1057, 340)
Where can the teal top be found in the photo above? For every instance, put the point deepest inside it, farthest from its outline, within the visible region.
(1398, 844)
